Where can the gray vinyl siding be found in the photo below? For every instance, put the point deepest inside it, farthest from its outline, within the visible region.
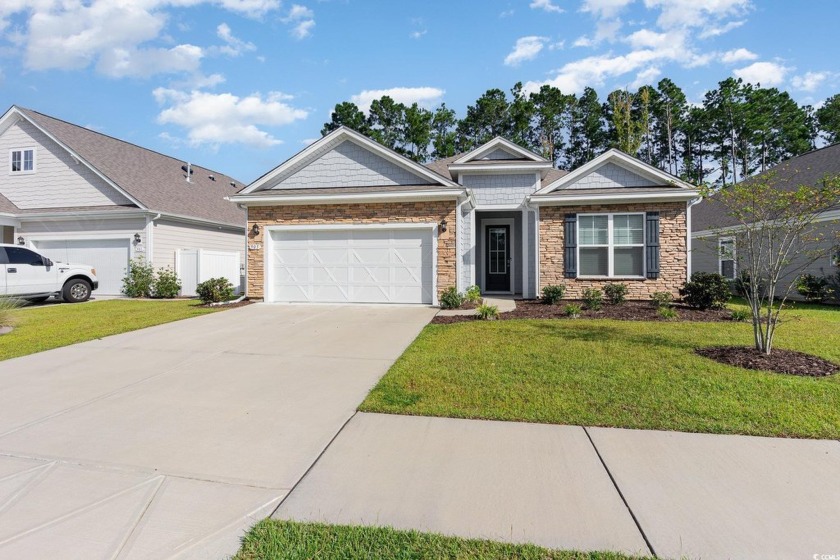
(348, 165)
(704, 254)
(58, 181)
(610, 175)
(500, 189)
(466, 251)
(499, 154)
(170, 236)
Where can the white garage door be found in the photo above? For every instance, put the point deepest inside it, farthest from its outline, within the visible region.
(363, 265)
(108, 256)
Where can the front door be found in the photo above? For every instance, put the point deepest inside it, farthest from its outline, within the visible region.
(497, 259)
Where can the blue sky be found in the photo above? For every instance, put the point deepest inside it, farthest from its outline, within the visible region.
(240, 85)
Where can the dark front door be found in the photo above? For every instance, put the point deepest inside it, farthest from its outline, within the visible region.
(497, 259)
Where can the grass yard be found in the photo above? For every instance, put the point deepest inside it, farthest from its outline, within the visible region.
(51, 326)
(629, 374)
(287, 540)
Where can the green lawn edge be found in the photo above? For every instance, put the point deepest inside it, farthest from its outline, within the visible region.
(273, 539)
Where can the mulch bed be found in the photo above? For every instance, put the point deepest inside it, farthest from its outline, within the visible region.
(628, 311)
(779, 361)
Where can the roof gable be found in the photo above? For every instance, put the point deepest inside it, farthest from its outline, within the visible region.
(500, 149)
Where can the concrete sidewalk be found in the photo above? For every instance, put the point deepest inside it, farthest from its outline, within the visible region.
(676, 495)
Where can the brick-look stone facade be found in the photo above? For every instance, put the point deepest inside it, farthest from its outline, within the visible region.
(380, 213)
(673, 256)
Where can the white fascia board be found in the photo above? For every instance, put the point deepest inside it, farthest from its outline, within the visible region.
(394, 196)
(499, 142)
(80, 159)
(336, 137)
(198, 221)
(612, 198)
(489, 168)
(623, 160)
(9, 220)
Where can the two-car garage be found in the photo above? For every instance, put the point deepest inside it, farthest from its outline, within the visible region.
(351, 264)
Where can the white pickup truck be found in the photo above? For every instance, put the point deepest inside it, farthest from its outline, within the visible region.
(25, 274)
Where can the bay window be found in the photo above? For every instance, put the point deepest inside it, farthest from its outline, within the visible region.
(611, 245)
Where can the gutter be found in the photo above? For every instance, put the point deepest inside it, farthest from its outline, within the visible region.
(612, 198)
(394, 196)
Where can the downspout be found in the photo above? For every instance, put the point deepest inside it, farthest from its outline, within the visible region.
(688, 206)
(459, 237)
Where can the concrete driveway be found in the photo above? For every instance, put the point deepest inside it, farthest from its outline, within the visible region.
(168, 442)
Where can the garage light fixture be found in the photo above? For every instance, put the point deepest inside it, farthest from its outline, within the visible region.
(443, 226)
(20, 240)
(256, 229)
(137, 238)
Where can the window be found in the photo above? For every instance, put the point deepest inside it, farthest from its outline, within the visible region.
(23, 161)
(611, 245)
(726, 257)
(19, 255)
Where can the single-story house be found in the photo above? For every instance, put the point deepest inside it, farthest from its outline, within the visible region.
(348, 220)
(714, 231)
(76, 195)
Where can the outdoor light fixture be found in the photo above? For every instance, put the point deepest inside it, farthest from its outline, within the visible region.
(256, 229)
(137, 238)
(20, 240)
(443, 226)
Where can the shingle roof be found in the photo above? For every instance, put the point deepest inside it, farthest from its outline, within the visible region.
(157, 181)
(808, 169)
(610, 190)
(441, 167)
(7, 207)
(324, 191)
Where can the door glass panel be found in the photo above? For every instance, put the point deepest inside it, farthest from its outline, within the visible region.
(498, 251)
(593, 261)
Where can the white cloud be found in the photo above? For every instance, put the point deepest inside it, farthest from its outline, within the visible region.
(424, 96)
(604, 8)
(526, 48)
(737, 55)
(810, 81)
(714, 31)
(546, 5)
(225, 118)
(506, 13)
(646, 77)
(302, 20)
(253, 8)
(142, 63)
(233, 46)
(705, 14)
(768, 74)
(417, 34)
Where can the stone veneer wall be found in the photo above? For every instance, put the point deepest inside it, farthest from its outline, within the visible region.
(673, 256)
(379, 213)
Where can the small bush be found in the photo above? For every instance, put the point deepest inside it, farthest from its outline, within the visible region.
(616, 293)
(487, 312)
(593, 298)
(215, 290)
(166, 284)
(668, 313)
(813, 288)
(740, 315)
(451, 299)
(473, 294)
(661, 299)
(572, 310)
(552, 294)
(706, 290)
(140, 278)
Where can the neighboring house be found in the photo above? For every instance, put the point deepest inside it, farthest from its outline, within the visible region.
(348, 220)
(714, 231)
(77, 195)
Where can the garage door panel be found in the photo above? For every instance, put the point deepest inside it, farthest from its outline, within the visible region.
(108, 256)
(353, 265)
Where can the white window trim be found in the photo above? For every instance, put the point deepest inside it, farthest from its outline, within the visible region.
(34, 160)
(610, 245)
(721, 241)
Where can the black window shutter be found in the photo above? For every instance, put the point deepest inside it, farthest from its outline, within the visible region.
(652, 244)
(570, 246)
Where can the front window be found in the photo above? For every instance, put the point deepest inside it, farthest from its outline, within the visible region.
(611, 245)
(726, 256)
(23, 161)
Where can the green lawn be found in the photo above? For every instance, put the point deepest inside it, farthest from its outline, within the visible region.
(50, 326)
(274, 540)
(616, 373)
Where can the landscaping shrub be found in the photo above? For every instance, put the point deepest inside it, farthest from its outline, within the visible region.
(552, 294)
(593, 298)
(661, 299)
(215, 290)
(706, 290)
(487, 312)
(616, 293)
(813, 288)
(138, 282)
(166, 284)
(473, 294)
(668, 313)
(572, 310)
(834, 286)
(451, 299)
(740, 315)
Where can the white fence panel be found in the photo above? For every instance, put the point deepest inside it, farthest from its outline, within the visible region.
(197, 265)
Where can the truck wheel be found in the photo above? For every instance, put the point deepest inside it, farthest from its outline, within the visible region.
(76, 290)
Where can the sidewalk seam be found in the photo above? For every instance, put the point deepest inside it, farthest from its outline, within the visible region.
(315, 462)
(620, 493)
